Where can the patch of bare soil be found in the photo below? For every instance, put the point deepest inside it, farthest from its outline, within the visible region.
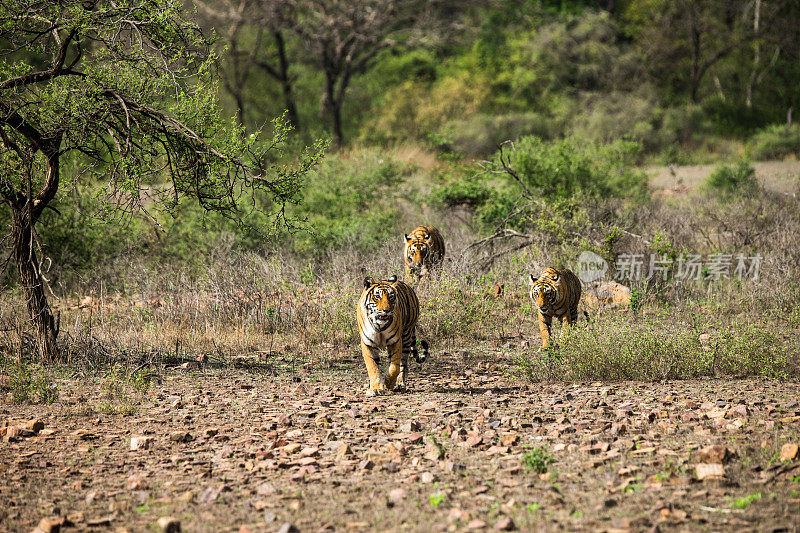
(776, 176)
(224, 450)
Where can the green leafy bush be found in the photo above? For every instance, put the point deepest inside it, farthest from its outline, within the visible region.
(615, 348)
(537, 460)
(775, 142)
(348, 203)
(30, 383)
(738, 178)
(563, 168)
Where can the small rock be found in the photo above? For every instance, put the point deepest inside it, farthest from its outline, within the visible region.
(343, 450)
(141, 443)
(409, 427)
(50, 524)
(709, 471)
(789, 451)
(715, 454)
(366, 464)
(168, 524)
(474, 441)
(180, 436)
(34, 425)
(396, 496)
(266, 489)
(505, 524)
(292, 447)
(288, 528)
(427, 477)
(476, 523)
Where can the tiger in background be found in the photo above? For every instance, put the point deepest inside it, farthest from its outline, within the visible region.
(387, 317)
(424, 249)
(555, 293)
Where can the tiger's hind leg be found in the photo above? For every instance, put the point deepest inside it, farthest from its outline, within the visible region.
(568, 320)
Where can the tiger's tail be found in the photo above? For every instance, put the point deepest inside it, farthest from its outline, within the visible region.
(420, 358)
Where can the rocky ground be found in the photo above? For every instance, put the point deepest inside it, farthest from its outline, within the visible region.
(469, 448)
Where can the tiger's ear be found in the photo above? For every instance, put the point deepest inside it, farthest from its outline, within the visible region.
(368, 282)
(407, 238)
(555, 277)
(533, 279)
(393, 279)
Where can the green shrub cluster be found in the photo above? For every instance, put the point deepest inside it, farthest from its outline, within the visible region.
(348, 203)
(738, 178)
(775, 142)
(616, 348)
(563, 174)
(29, 383)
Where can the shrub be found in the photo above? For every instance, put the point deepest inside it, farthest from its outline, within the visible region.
(774, 142)
(563, 168)
(481, 134)
(348, 203)
(29, 383)
(739, 178)
(537, 460)
(615, 348)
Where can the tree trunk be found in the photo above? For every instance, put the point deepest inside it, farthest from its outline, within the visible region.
(286, 80)
(30, 276)
(334, 108)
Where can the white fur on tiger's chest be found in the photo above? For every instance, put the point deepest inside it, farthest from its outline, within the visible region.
(380, 337)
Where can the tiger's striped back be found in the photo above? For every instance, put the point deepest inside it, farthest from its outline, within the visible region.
(423, 250)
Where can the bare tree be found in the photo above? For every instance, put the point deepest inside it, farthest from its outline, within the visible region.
(687, 35)
(124, 89)
(254, 32)
(343, 38)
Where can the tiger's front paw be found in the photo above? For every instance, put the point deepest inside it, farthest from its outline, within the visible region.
(377, 389)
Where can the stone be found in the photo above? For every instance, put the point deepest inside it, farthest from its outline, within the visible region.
(180, 436)
(168, 524)
(789, 451)
(50, 524)
(409, 427)
(141, 443)
(288, 528)
(715, 454)
(343, 450)
(505, 524)
(709, 471)
(476, 523)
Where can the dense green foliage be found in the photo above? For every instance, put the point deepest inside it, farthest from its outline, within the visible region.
(677, 76)
(738, 178)
(520, 180)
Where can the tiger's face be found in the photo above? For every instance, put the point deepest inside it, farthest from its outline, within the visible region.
(416, 253)
(544, 292)
(380, 304)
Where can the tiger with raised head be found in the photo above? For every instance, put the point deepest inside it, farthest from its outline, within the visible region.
(387, 317)
(555, 293)
(424, 250)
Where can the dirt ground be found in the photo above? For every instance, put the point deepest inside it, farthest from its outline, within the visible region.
(245, 450)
